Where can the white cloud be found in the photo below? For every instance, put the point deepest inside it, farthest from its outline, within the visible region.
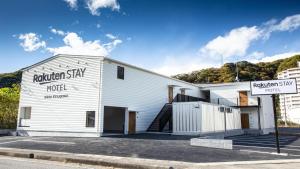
(237, 41)
(72, 3)
(275, 57)
(74, 44)
(112, 45)
(95, 5)
(173, 65)
(289, 23)
(234, 43)
(98, 25)
(256, 55)
(111, 36)
(129, 38)
(57, 32)
(76, 22)
(31, 42)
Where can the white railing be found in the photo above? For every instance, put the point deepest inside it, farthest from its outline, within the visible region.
(236, 101)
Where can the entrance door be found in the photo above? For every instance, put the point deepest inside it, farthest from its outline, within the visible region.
(245, 121)
(132, 122)
(170, 91)
(243, 98)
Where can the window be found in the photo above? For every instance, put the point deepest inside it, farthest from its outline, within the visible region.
(222, 109)
(90, 119)
(25, 113)
(120, 72)
(228, 110)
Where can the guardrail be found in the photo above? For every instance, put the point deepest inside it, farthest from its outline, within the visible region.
(237, 101)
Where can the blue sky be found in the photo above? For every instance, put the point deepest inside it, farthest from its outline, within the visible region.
(167, 36)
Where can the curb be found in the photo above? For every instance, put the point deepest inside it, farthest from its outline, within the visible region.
(287, 134)
(123, 162)
(108, 161)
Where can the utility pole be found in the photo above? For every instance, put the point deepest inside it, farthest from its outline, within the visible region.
(237, 79)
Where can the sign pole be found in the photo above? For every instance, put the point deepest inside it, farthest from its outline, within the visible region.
(272, 87)
(276, 127)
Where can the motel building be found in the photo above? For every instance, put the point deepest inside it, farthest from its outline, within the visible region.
(90, 96)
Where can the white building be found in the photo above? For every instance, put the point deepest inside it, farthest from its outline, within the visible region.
(88, 96)
(256, 112)
(290, 103)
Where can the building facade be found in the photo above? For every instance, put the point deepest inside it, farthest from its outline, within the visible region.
(290, 103)
(68, 95)
(89, 96)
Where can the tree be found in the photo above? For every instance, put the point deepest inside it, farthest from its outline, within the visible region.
(247, 71)
(9, 101)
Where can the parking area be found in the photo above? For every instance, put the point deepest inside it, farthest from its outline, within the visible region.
(152, 146)
(267, 143)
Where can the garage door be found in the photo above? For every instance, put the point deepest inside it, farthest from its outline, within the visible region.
(114, 119)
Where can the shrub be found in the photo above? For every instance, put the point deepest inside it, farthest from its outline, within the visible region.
(9, 102)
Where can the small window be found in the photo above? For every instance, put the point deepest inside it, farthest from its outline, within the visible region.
(228, 110)
(120, 72)
(222, 109)
(90, 119)
(25, 113)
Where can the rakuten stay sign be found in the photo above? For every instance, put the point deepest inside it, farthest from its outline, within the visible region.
(269, 87)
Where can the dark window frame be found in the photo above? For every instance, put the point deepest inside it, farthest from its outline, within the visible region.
(90, 120)
(228, 110)
(222, 109)
(120, 72)
(25, 113)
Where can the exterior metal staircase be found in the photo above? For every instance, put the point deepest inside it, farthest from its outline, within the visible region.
(164, 117)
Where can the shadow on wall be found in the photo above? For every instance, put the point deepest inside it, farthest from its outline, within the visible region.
(8, 132)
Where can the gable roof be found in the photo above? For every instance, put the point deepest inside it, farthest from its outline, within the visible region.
(108, 59)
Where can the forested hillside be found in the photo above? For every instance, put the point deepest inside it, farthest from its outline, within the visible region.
(8, 79)
(247, 71)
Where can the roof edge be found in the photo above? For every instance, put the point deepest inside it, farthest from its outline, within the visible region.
(148, 71)
(54, 57)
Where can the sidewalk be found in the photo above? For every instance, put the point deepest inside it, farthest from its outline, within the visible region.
(140, 163)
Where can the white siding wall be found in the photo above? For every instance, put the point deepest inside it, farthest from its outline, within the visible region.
(253, 116)
(232, 91)
(68, 114)
(140, 91)
(200, 117)
(267, 115)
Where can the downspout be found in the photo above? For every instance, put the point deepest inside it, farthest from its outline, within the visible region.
(100, 97)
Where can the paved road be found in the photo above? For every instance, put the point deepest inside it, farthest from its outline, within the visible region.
(151, 146)
(267, 143)
(22, 163)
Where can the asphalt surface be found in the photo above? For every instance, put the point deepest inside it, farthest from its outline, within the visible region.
(267, 143)
(151, 146)
(21, 163)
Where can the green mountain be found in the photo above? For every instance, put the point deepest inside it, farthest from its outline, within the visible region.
(247, 71)
(8, 79)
